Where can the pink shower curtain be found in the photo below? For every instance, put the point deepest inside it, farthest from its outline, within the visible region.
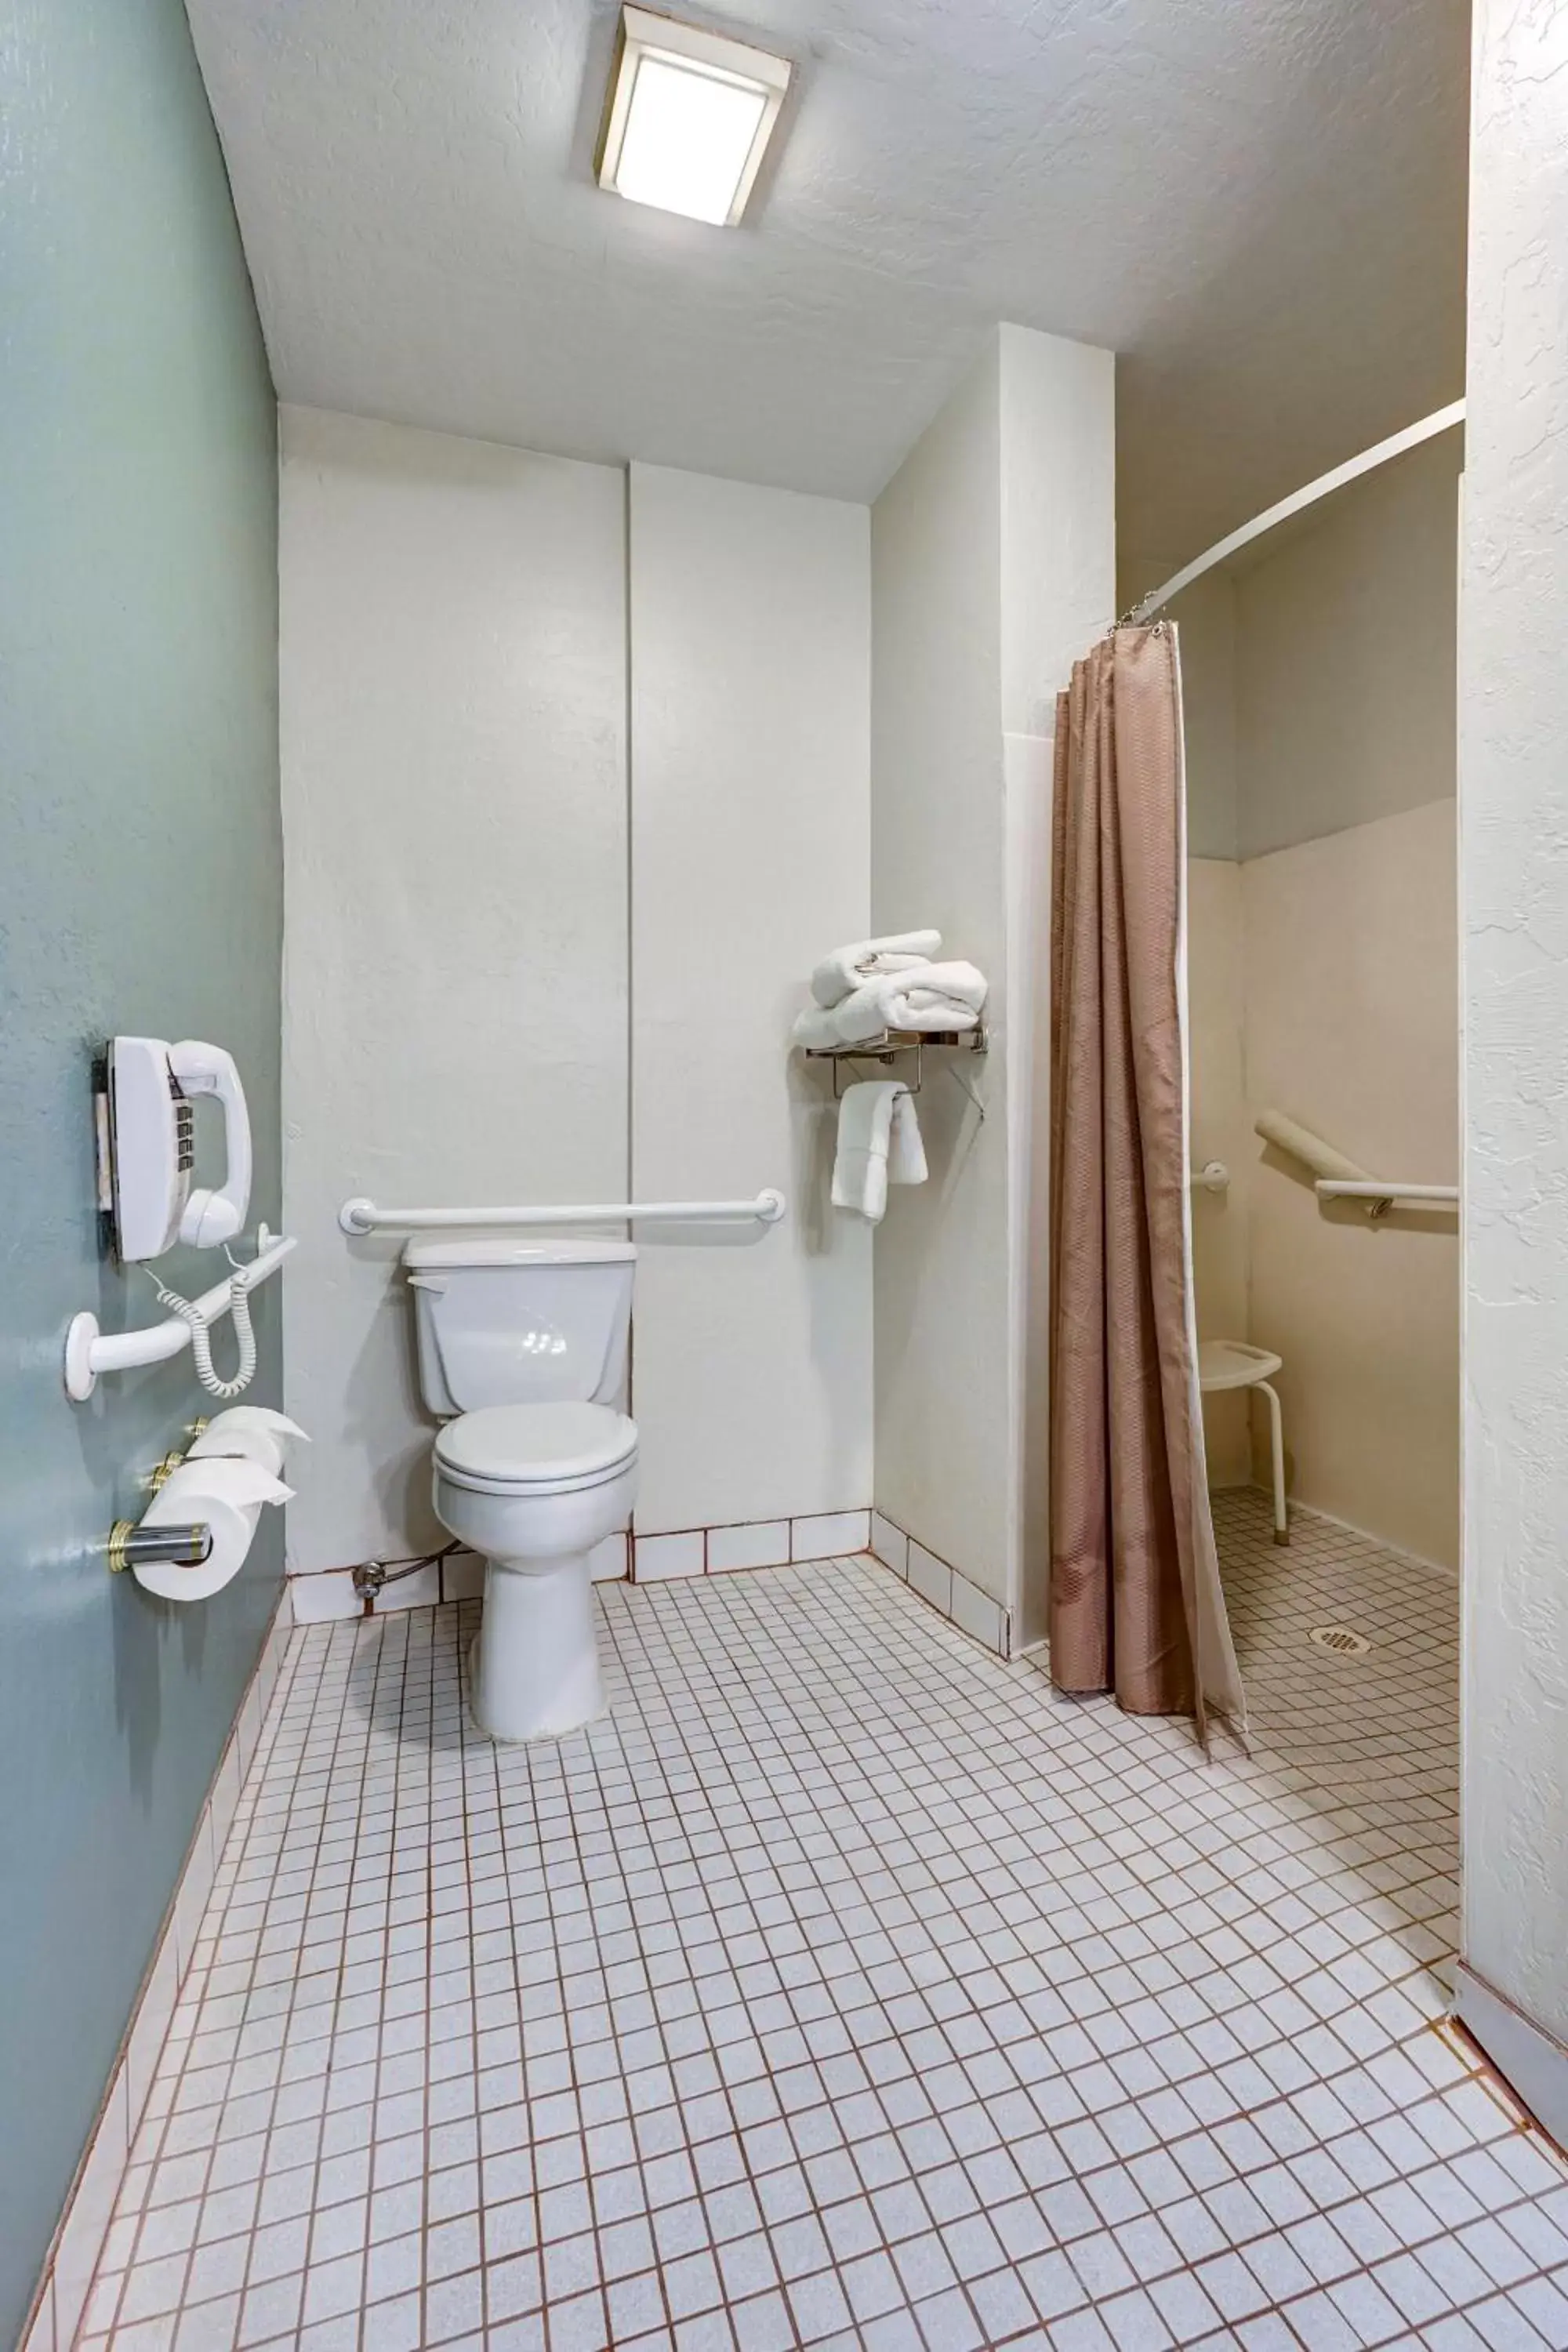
(1136, 1605)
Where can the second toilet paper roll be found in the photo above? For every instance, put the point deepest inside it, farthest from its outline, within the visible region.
(254, 1433)
(227, 1495)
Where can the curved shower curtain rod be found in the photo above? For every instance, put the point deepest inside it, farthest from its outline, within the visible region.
(1442, 420)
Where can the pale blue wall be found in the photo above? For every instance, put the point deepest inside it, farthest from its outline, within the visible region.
(140, 889)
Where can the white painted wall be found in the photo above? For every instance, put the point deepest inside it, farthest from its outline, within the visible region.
(1344, 654)
(750, 846)
(1319, 698)
(1350, 960)
(992, 551)
(1514, 883)
(453, 685)
(468, 1016)
(938, 821)
(1058, 506)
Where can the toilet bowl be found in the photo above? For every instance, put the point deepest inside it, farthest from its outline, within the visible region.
(523, 1354)
(532, 1488)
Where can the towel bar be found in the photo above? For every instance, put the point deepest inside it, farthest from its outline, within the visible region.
(362, 1216)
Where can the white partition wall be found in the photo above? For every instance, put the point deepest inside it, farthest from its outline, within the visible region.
(937, 835)
(751, 849)
(993, 566)
(469, 1016)
(1513, 868)
(453, 685)
(577, 789)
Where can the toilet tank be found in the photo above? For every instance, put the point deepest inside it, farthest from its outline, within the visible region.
(515, 1322)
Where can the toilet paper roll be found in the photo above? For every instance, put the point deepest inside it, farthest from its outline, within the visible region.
(228, 1495)
(253, 1433)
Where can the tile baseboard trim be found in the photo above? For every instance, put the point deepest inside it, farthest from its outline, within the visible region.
(942, 1585)
(321, 1596)
(739, 1544)
(1533, 2063)
(59, 2298)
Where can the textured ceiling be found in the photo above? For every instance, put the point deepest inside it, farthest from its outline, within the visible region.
(1258, 203)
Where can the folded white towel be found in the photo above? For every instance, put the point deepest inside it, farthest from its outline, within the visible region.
(839, 974)
(879, 1143)
(906, 1146)
(932, 996)
(920, 999)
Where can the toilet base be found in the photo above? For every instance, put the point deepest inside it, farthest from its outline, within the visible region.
(533, 1669)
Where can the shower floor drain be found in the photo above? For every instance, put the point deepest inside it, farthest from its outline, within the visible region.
(1340, 1639)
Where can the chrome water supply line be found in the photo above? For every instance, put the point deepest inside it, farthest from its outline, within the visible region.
(371, 1575)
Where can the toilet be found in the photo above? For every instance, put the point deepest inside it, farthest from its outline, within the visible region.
(522, 1358)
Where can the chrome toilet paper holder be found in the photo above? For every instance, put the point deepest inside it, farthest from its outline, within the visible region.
(131, 1545)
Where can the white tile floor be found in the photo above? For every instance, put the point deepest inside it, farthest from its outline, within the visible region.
(845, 1987)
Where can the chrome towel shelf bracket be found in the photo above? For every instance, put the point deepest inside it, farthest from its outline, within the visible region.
(889, 1043)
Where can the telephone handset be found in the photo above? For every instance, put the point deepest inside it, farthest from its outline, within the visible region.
(147, 1147)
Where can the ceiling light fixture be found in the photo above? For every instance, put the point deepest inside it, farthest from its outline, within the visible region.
(690, 114)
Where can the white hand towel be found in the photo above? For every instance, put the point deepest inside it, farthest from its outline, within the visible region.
(876, 1126)
(932, 996)
(906, 1151)
(839, 974)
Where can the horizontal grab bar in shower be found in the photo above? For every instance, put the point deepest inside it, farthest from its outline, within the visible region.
(362, 1216)
(1380, 1188)
(1339, 1178)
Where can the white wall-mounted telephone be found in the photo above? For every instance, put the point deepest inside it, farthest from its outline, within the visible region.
(146, 1146)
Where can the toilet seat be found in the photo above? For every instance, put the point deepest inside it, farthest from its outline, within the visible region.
(535, 1449)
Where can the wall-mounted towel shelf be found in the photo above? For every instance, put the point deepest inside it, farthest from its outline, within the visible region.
(362, 1216)
(89, 1351)
(889, 1043)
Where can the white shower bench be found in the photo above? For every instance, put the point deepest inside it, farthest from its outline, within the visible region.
(1232, 1364)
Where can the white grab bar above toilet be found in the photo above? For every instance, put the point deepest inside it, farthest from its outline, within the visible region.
(362, 1216)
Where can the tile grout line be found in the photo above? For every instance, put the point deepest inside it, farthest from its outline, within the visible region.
(753, 1713)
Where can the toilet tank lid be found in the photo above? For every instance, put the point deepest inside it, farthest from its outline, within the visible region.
(495, 1249)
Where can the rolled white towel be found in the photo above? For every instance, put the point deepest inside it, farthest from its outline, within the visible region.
(933, 996)
(936, 997)
(929, 998)
(848, 969)
(879, 1143)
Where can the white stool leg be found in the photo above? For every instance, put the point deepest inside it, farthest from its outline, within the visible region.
(1277, 1449)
